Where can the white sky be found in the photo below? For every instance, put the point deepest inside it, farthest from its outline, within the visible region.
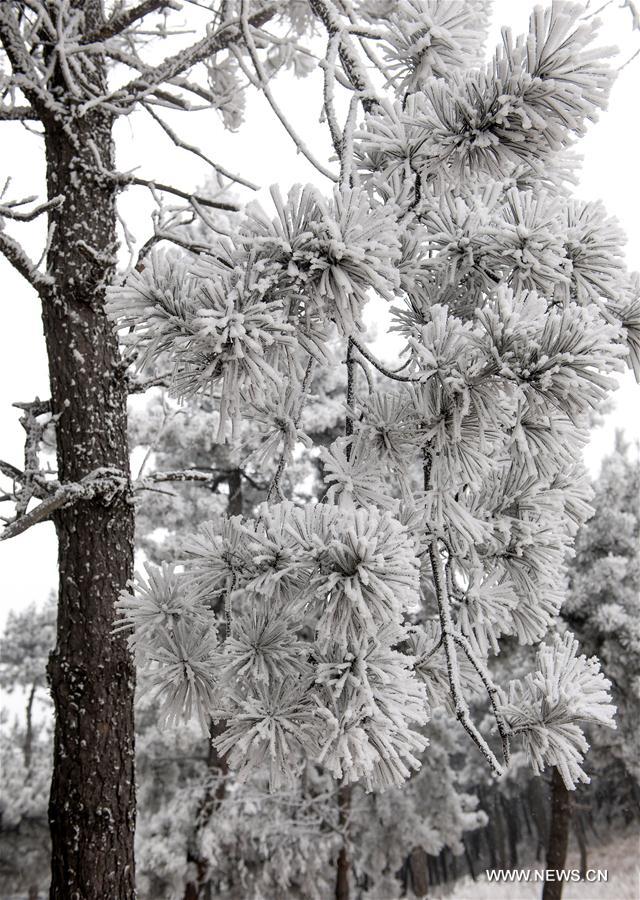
(264, 154)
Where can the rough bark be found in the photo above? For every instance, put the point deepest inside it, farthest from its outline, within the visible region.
(92, 802)
(558, 835)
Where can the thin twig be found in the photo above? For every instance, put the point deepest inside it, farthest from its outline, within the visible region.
(390, 373)
(448, 641)
(197, 152)
(266, 90)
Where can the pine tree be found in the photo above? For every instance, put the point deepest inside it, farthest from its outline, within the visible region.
(455, 490)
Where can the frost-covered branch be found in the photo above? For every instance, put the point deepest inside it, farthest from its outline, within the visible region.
(328, 14)
(129, 179)
(11, 211)
(228, 34)
(101, 482)
(18, 114)
(191, 148)
(461, 706)
(263, 84)
(25, 75)
(13, 252)
(124, 18)
(394, 374)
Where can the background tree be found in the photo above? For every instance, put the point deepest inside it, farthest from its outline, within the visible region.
(25, 748)
(602, 609)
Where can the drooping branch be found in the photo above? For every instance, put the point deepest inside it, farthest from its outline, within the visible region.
(126, 180)
(492, 690)
(384, 370)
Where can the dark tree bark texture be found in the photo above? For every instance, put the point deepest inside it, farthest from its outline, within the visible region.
(92, 803)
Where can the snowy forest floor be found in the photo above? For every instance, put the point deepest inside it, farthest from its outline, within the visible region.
(621, 859)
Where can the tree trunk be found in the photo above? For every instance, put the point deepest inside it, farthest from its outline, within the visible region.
(581, 836)
(28, 734)
(468, 855)
(418, 872)
(92, 678)
(344, 864)
(558, 835)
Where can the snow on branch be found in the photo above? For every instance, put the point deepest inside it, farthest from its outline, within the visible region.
(14, 253)
(123, 19)
(101, 482)
(18, 114)
(229, 33)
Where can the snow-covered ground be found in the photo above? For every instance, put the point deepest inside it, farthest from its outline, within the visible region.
(621, 860)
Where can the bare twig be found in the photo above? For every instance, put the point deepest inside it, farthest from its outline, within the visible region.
(197, 152)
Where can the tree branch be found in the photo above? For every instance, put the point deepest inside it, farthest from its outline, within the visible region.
(101, 481)
(14, 253)
(18, 114)
(326, 11)
(180, 62)
(448, 642)
(390, 373)
(492, 690)
(262, 84)
(26, 77)
(9, 211)
(126, 180)
(117, 23)
(197, 152)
